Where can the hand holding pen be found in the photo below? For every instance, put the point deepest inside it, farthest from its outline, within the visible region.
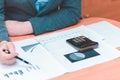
(7, 59)
(8, 52)
(8, 55)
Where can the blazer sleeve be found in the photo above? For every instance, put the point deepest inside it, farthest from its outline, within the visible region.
(3, 31)
(68, 14)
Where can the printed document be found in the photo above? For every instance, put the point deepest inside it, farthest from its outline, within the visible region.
(52, 56)
(110, 32)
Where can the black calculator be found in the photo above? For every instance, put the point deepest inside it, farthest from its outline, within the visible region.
(82, 43)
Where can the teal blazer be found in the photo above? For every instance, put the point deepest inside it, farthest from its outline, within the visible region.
(55, 15)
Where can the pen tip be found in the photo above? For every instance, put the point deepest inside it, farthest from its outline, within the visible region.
(30, 64)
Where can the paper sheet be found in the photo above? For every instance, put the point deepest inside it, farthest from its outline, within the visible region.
(44, 65)
(110, 32)
(48, 55)
(58, 47)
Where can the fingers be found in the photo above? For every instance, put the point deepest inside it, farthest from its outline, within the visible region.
(7, 58)
(8, 62)
(11, 49)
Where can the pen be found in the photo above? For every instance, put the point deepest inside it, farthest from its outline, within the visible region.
(26, 62)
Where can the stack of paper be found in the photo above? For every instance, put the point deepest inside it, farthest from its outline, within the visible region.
(52, 56)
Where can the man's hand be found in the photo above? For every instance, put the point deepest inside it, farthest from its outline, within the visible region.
(17, 28)
(5, 58)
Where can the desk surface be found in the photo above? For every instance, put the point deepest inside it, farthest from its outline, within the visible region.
(105, 71)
